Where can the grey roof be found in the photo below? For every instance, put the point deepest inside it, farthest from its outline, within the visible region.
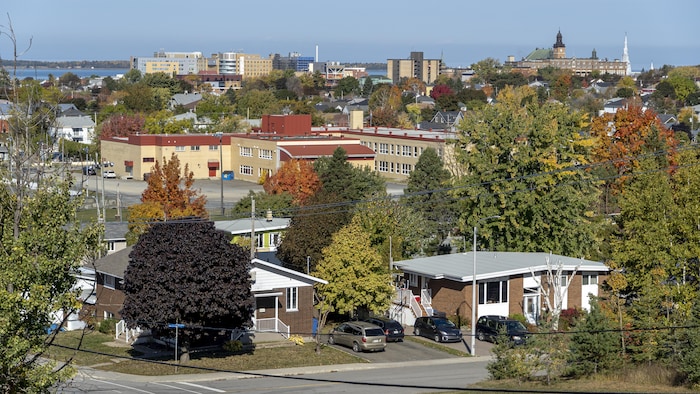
(242, 226)
(459, 266)
(114, 264)
(116, 230)
(74, 121)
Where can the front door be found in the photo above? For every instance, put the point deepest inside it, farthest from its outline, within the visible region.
(530, 307)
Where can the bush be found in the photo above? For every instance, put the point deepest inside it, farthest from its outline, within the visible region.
(107, 326)
(459, 321)
(233, 346)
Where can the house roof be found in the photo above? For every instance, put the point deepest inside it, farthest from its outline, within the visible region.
(114, 264)
(459, 266)
(116, 230)
(75, 121)
(257, 263)
(242, 226)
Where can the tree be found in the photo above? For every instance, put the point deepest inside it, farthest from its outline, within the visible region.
(162, 122)
(553, 289)
(346, 86)
(43, 244)
(340, 178)
(207, 287)
(169, 195)
(594, 347)
(255, 103)
(521, 161)
(385, 104)
(357, 278)
(690, 351)
(426, 193)
(296, 177)
(280, 204)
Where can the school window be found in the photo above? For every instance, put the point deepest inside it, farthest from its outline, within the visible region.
(590, 279)
(246, 151)
(383, 148)
(406, 150)
(180, 148)
(266, 154)
(110, 281)
(148, 159)
(415, 151)
(493, 292)
(292, 299)
(213, 147)
(405, 169)
(383, 166)
(246, 170)
(392, 166)
(194, 148)
(391, 149)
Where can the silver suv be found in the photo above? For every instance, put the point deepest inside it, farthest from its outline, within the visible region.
(358, 335)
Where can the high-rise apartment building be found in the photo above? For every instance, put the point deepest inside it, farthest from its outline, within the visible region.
(427, 70)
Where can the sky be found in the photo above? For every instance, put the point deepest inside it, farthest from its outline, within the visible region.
(459, 32)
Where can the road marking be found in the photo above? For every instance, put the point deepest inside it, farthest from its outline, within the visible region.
(203, 387)
(176, 388)
(121, 385)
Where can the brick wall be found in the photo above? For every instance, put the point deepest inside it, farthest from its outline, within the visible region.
(515, 295)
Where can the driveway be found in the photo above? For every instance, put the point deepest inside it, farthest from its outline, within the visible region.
(398, 352)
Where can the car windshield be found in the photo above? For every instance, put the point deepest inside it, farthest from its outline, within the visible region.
(393, 325)
(514, 326)
(374, 332)
(444, 323)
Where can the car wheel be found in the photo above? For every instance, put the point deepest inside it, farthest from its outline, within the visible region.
(355, 347)
(437, 337)
(416, 331)
(331, 340)
(481, 336)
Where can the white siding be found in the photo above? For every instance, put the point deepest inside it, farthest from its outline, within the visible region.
(266, 281)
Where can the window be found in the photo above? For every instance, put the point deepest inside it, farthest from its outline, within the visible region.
(110, 281)
(259, 240)
(590, 279)
(391, 149)
(108, 315)
(266, 154)
(391, 169)
(149, 159)
(493, 292)
(275, 239)
(415, 151)
(213, 147)
(246, 151)
(179, 148)
(292, 299)
(383, 148)
(405, 169)
(383, 166)
(412, 280)
(194, 148)
(110, 246)
(406, 150)
(246, 170)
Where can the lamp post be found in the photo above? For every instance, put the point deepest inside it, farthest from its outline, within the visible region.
(473, 345)
(221, 172)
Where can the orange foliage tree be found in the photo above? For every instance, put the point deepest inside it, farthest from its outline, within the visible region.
(169, 195)
(296, 177)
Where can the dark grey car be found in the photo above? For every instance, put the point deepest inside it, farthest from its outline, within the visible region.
(392, 329)
(437, 328)
(358, 335)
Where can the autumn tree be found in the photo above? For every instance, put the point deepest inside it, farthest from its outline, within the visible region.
(296, 177)
(169, 194)
(385, 104)
(163, 122)
(521, 161)
(207, 287)
(357, 277)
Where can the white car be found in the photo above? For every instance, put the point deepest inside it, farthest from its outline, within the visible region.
(109, 174)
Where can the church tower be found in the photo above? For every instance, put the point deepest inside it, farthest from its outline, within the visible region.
(559, 51)
(626, 58)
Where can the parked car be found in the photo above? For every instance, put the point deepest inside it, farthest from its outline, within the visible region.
(109, 174)
(437, 328)
(89, 170)
(489, 327)
(392, 329)
(358, 335)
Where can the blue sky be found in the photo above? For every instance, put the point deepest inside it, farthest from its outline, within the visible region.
(459, 32)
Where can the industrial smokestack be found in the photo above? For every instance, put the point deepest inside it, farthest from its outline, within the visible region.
(316, 58)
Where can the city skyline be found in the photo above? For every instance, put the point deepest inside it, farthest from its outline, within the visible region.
(362, 31)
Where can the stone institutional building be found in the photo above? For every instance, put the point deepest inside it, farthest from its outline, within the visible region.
(556, 57)
(427, 70)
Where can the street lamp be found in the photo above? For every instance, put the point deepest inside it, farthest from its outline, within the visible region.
(473, 346)
(221, 170)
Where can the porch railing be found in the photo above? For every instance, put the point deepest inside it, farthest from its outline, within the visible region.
(130, 334)
(272, 325)
(406, 297)
(426, 301)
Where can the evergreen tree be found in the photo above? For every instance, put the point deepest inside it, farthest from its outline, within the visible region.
(689, 360)
(594, 347)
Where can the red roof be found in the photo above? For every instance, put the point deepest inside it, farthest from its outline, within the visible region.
(315, 151)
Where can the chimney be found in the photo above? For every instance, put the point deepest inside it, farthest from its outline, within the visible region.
(268, 215)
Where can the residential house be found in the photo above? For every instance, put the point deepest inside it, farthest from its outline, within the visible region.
(508, 283)
(185, 100)
(284, 298)
(268, 231)
(73, 125)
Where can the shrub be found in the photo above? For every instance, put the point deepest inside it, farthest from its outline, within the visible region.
(233, 346)
(458, 320)
(107, 326)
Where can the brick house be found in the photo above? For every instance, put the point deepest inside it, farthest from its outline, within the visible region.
(505, 280)
(284, 298)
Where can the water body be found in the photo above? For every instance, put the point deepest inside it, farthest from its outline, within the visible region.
(42, 74)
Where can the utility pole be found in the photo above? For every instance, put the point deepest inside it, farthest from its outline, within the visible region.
(253, 240)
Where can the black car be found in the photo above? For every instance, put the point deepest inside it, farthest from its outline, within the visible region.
(437, 328)
(489, 327)
(392, 329)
